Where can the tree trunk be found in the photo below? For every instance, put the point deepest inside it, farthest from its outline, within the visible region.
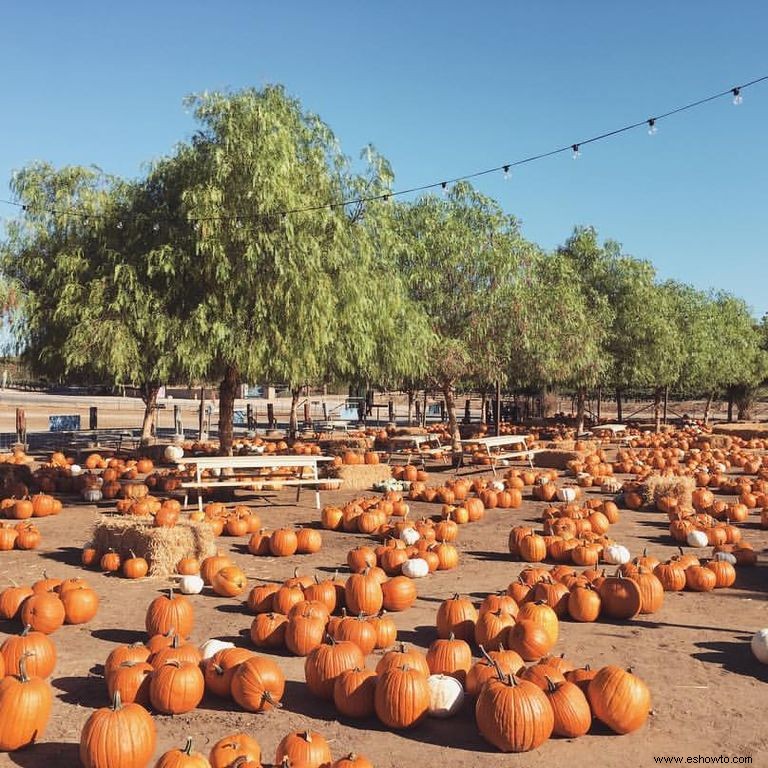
(227, 395)
(657, 408)
(497, 413)
(424, 411)
(708, 407)
(619, 414)
(410, 407)
(599, 403)
(730, 407)
(483, 419)
(745, 402)
(581, 401)
(453, 424)
(293, 420)
(149, 390)
(666, 402)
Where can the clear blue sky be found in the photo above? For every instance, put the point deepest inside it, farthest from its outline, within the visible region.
(440, 88)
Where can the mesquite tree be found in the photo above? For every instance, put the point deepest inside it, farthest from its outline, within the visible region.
(459, 256)
(89, 306)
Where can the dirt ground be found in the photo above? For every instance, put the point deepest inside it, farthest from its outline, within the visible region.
(709, 693)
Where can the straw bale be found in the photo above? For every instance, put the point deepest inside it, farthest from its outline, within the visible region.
(361, 477)
(556, 458)
(681, 488)
(589, 446)
(161, 547)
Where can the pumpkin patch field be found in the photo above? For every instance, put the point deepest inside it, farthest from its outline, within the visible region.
(538, 617)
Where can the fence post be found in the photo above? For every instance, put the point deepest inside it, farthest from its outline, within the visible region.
(391, 411)
(250, 416)
(21, 426)
(418, 411)
(271, 415)
(178, 427)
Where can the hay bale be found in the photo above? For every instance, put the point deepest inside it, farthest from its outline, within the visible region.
(408, 431)
(681, 488)
(555, 458)
(161, 547)
(361, 477)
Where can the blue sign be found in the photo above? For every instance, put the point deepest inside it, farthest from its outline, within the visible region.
(239, 419)
(63, 423)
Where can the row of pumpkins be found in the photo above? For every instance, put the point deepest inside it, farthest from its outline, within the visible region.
(24, 535)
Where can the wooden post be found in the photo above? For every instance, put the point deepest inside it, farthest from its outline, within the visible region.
(21, 426)
(418, 411)
(307, 415)
(178, 426)
(201, 414)
(599, 402)
(497, 408)
(442, 410)
(93, 418)
(391, 411)
(423, 422)
(666, 400)
(250, 417)
(467, 407)
(271, 415)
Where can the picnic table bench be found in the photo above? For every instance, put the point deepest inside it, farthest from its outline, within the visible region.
(616, 431)
(496, 448)
(401, 443)
(291, 468)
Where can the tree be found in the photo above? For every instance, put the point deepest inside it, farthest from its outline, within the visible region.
(90, 306)
(459, 258)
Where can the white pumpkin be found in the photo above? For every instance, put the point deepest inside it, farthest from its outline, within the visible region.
(725, 556)
(445, 695)
(759, 645)
(567, 494)
(611, 485)
(191, 584)
(92, 494)
(697, 539)
(497, 485)
(75, 470)
(410, 536)
(173, 453)
(415, 568)
(542, 479)
(616, 554)
(211, 647)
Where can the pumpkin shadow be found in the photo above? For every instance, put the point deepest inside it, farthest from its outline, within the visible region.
(85, 691)
(422, 635)
(459, 732)
(65, 555)
(241, 549)
(239, 608)
(46, 753)
(118, 635)
(485, 555)
(734, 656)
(754, 578)
(297, 699)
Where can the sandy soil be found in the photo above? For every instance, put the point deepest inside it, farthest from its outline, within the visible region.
(708, 691)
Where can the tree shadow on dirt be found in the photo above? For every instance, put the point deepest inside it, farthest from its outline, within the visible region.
(85, 691)
(238, 608)
(734, 656)
(65, 555)
(297, 699)
(45, 754)
(120, 636)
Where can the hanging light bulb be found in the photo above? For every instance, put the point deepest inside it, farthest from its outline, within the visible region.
(737, 97)
(155, 227)
(652, 129)
(444, 185)
(506, 173)
(576, 151)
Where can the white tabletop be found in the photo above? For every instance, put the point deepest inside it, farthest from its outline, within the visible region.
(497, 440)
(610, 428)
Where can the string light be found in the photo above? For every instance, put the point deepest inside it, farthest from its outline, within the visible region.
(155, 227)
(119, 224)
(575, 148)
(506, 173)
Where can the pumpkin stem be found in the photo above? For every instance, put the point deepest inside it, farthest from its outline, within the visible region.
(267, 696)
(187, 747)
(116, 701)
(27, 629)
(551, 687)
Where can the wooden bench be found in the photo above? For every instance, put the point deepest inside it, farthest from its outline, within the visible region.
(288, 465)
(494, 448)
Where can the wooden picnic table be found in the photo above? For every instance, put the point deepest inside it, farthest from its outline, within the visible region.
(497, 448)
(289, 464)
(402, 442)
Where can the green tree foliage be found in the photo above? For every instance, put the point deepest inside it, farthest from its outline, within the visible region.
(459, 257)
(90, 308)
